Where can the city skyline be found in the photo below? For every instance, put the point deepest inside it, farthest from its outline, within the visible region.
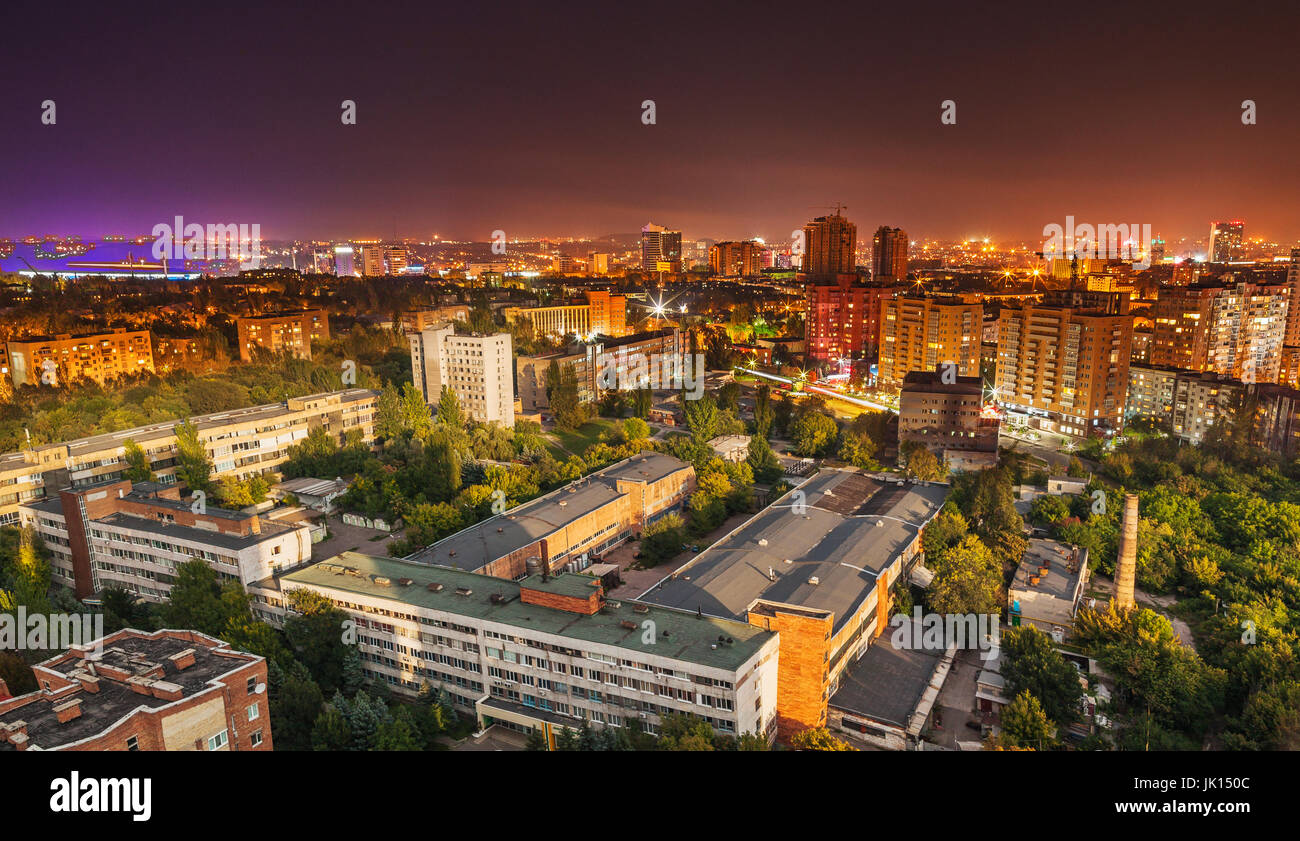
(456, 136)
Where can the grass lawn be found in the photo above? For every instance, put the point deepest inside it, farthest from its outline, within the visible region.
(577, 441)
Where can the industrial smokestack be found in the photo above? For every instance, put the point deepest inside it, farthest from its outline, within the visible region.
(1126, 566)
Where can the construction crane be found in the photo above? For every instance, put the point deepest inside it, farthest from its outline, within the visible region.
(837, 207)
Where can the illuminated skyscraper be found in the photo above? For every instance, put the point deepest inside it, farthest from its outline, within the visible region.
(398, 258)
(1227, 241)
(372, 260)
(889, 254)
(829, 243)
(344, 266)
(661, 249)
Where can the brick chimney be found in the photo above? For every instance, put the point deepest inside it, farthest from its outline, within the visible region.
(166, 690)
(182, 660)
(68, 710)
(1126, 565)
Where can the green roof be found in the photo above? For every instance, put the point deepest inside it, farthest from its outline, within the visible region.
(679, 634)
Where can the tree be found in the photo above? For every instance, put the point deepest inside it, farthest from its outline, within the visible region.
(316, 636)
(968, 579)
(562, 390)
(138, 468)
(642, 402)
(449, 412)
(1030, 662)
(635, 429)
(762, 461)
(858, 450)
(685, 732)
(814, 434)
(925, 465)
(196, 599)
(192, 465)
(818, 738)
(1076, 469)
(764, 416)
(1025, 724)
(399, 734)
(662, 539)
(295, 707)
(701, 418)
(331, 730)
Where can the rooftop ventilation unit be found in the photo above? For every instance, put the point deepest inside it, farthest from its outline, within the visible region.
(464, 591)
(814, 581)
(434, 587)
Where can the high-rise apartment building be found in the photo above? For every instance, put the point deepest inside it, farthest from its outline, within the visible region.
(1292, 338)
(1235, 330)
(1063, 370)
(291, 332)
(661, 249)
(598, 262)
(924, 333)
(736, 259)
(830, 243)
(344, 261)
(889, 254)
(398, 257)
(478, 369)
(843, 317)
(64, 359)
(372, 260)
(1227, 242)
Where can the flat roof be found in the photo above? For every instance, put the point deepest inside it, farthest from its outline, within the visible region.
(136, 653)
(852, 527)
(679, 635)
(481, 544)
(220, 539)
(887, 683)
(1059, 582)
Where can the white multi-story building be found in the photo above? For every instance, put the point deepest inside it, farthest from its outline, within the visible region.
(478, 370)
(134, 537)
(543, 653)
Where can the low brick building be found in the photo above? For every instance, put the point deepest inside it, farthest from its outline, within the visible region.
(134, 690)
(568, 526)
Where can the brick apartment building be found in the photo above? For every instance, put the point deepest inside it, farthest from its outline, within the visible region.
(136, 691)
(921, 333)
(1236, 330)
(843, 317)
(1064, 370)
(947, 418)
(291, 332)
(99, 357)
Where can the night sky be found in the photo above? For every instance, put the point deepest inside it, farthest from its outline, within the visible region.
(527, 118)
